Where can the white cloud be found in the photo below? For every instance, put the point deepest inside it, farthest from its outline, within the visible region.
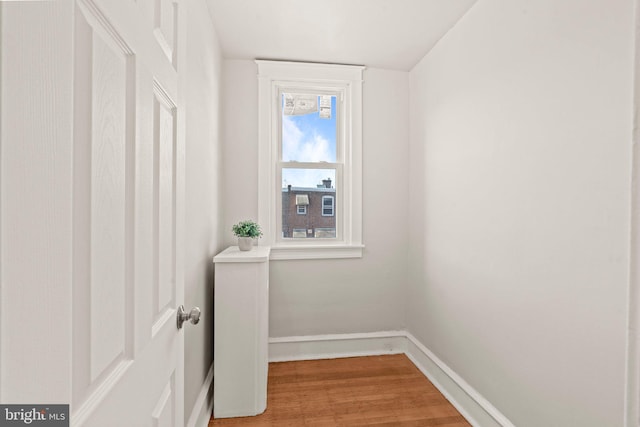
(304, 148)
(298, 146)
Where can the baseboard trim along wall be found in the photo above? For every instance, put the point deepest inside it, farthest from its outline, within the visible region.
(287, 349)
(202, 409)
(468, 401)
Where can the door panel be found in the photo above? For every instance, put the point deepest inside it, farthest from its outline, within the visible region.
(164, 144)
(165, 21)
(102, 285)
(109, 242)
(163, 413)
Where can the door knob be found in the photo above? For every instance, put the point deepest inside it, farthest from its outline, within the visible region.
(183, 316)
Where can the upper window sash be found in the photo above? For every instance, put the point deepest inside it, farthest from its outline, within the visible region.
(311, 89)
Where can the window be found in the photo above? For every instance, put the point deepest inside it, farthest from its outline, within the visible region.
(310, 123)
(327, 205)
(325, 233)
(299, 232)
(302, 201)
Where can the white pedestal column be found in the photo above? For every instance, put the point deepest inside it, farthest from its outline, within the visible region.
(241, 332)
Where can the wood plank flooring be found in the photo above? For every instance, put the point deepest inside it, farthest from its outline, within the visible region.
(358, 391)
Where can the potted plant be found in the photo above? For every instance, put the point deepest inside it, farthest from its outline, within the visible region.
(247, 231)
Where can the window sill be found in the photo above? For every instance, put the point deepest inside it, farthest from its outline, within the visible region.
(316, 252)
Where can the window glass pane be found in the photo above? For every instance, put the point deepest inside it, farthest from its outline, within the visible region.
(310, 188)
(309, 128)
(325, 233)
(327, 205)
(309, 178)
(299, 233)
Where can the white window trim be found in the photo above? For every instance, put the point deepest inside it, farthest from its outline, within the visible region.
(272, 76)
(301, 209)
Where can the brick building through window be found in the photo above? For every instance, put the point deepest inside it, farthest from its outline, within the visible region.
(309, 212)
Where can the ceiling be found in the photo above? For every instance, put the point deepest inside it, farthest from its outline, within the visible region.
(391, 34)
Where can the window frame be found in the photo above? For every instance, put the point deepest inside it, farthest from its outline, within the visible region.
(274, 78)
(304, 209)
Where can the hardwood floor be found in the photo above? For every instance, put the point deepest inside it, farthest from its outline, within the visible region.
(358, 391)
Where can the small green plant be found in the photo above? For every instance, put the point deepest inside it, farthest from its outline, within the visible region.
(247, 229)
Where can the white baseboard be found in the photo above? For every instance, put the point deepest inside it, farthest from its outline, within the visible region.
(201, 413)
(287, 349)
(469, 402)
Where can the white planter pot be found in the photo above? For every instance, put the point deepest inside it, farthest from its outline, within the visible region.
(245, 243)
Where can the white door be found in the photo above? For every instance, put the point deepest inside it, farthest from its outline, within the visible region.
(123, 206)
(127, 350)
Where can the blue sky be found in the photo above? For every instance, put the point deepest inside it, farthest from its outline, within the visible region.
(309, 138)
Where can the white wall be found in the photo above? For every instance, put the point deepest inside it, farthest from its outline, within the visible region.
(201, 82)
(520, 189)
(334, 296)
